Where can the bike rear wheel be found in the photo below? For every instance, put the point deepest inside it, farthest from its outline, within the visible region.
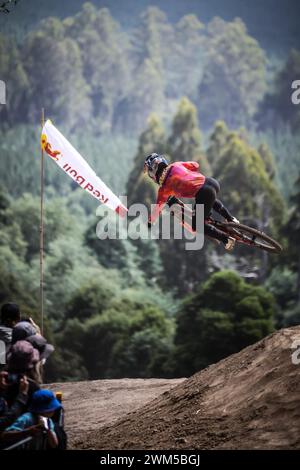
(249, 236)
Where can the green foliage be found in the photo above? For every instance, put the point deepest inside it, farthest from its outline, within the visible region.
(144, 355)
(141, 189)
(16, 79)
(149, 260)
(109, 156)
(90, 299)
(111, 253)
(292, 228)
(130, 344)
(68, 363)
(292, 232)
(119, 77)
(277, 107)
(277, 36)
(137, 260)
(268, 159)
(181, 267)
(285, 147)
(53, 62)
(234, 74)
(109, 305)
(14, 281)
(217, 142)
(222, 317)
(102, 334)
(184, 142)
(104, 60)
(246, 185)
(69, 266)
(149, 38)
(282, 284)
(184, 58)
(26, 210)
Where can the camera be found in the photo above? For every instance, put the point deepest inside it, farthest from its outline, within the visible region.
(13, 378)
(45, 422)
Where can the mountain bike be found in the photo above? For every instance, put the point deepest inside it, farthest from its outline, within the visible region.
(243, 234)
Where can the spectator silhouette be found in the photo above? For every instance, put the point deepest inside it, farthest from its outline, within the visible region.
(27, 332)
(23, 358)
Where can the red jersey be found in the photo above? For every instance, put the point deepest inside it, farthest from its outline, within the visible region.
(182, 180)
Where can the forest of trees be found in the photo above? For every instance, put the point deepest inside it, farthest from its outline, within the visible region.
(193, 92)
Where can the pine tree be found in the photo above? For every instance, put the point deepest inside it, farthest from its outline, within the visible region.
(268, 160)
(144, 97)
(277, 107)
(246, 187)
(16, 79)
(54, 65)
(222, 316)
(184, 57)
(105, 62)
(181, 266)
(292, 231)
(234, 78)
(217, 142)
(151, 37)
(141, 189)
(184, 143)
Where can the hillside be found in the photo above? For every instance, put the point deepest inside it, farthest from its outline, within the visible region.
(248, 400)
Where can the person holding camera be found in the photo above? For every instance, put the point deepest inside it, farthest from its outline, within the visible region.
(37, 421)
(8, 414)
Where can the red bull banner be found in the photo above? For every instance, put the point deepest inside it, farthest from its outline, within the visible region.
(59, 149)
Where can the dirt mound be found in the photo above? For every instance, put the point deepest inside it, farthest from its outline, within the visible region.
(250, 400)
(90, 405)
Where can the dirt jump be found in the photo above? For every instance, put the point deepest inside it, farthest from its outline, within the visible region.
(250, 400)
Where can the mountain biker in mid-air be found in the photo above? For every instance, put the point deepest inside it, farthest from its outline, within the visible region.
(182, 180)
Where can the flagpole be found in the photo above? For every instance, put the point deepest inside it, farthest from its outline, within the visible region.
(42, 231)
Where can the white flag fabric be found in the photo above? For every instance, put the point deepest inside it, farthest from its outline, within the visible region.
(73, 164)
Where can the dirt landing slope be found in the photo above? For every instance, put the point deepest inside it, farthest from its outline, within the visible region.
(90, 405)
(250, 400)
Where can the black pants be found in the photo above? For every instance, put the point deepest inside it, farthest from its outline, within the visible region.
(207, 195)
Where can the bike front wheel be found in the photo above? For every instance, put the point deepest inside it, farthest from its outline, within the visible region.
(250, 236)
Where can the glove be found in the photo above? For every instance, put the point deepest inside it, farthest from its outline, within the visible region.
(172, 200)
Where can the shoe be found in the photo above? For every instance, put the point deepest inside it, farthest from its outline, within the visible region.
(230, 244)
(236, 221)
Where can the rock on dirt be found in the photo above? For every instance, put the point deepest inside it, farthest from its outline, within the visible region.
(250, 400)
